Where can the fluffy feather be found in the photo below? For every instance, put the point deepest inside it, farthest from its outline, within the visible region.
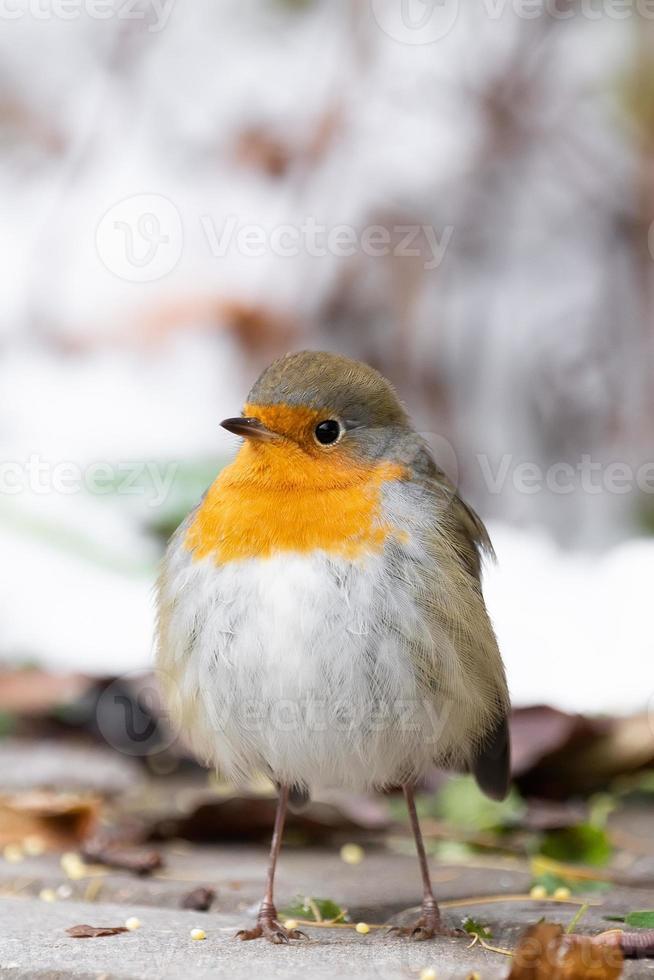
(321, 671)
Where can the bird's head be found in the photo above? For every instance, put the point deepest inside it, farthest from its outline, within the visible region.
(318, 408)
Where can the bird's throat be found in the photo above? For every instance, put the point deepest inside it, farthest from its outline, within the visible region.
(273, 499)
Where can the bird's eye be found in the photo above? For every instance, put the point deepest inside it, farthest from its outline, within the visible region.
(328, 431)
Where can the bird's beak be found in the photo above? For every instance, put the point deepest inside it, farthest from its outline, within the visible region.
(248, 428)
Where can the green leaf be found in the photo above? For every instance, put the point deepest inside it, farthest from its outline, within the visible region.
(582, 844)
(644, 919)
(463, 805)
(305, 907)
(475, 928)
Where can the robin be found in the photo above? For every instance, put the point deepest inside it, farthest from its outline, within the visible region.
(321, 618)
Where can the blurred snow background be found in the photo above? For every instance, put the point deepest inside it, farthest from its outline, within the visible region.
(519, 149)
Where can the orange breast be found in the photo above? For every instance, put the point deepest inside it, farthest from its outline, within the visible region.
(275, 497)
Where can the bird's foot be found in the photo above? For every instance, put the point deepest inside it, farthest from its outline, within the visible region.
(428, 926)
(268, 927)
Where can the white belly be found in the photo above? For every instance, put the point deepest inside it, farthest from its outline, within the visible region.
(302, 668)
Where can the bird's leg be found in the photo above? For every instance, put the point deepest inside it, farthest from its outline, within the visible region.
(430, 923)
(267, 926)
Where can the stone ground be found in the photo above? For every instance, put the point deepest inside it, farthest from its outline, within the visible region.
(33, 941)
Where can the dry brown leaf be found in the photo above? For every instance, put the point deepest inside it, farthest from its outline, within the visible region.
(101, 849)
(93, 932)
(60, 819)
(557, 755)
(545, 952)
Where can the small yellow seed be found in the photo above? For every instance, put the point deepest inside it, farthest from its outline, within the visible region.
(47, 895)
(72, 865)
(34, 845)
(474, 976)
(132, 923)
(13, 853)
(290, 923)
(428, 973)
(362, 928)
(562, 893)
(538, 891)
(198, 934)
(352, 853)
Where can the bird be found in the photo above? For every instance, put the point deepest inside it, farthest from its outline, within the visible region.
(321, 619)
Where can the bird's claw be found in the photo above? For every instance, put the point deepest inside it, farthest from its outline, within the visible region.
(428, 926)
(269, 928)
